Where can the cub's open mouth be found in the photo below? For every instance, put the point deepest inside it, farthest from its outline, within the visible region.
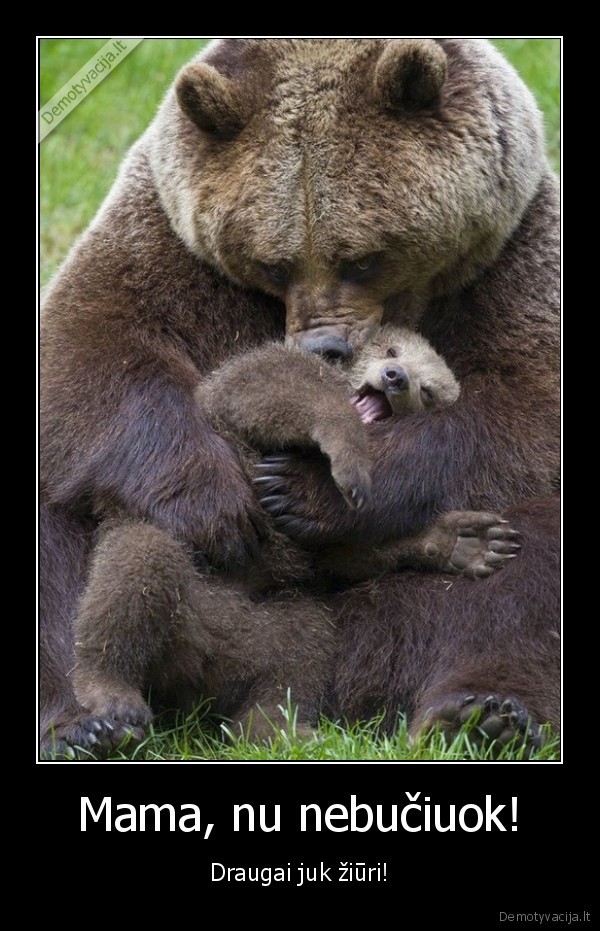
(371, 405)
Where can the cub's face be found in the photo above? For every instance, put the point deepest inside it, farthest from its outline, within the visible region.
(352, 179)
(398, 372)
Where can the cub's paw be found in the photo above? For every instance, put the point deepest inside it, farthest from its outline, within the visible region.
(353, 479)
(484, 543)
(490, 719)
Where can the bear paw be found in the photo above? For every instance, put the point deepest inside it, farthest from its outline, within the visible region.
(491, 719)
(298, 493)
(93, 736)
(484, 544)
(353, 480)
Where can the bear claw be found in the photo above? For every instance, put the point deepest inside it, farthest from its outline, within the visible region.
(491, 719)
(93, 735)
(484, 544)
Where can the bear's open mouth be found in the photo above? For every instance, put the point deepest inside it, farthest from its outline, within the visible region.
(372, 405)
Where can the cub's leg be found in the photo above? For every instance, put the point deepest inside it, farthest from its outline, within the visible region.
(470, 543)
(275, 397)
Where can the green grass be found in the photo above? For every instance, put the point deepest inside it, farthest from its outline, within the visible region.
(538, 63)
(79, 159)
(78, 163)
(196, 738)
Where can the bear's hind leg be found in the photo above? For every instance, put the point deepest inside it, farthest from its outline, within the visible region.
(502, 674)
(445, 650)
(135, 629)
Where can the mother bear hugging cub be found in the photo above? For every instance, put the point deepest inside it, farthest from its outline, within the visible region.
(315, 189)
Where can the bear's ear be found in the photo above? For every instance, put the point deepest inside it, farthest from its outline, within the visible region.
(209, 99)
(410, 74)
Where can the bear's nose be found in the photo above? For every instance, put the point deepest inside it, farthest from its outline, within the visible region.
(395, 377)
(334, 348)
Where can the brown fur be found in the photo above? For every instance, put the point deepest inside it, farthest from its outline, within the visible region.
(276, 398)
(148, 622)
(320, 187)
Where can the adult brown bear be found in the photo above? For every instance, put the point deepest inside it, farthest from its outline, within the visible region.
(319, 187)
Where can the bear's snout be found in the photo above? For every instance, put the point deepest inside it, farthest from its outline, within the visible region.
(395, 377)
(334, 348)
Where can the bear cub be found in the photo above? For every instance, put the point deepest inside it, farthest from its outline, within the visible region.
(280, 398)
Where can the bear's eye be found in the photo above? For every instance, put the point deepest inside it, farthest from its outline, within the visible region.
(277, 275)
(427, 395)
(391, 353)
(363, 269)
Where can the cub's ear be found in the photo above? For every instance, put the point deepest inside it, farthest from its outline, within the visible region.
(209, 99)
(410, 74)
